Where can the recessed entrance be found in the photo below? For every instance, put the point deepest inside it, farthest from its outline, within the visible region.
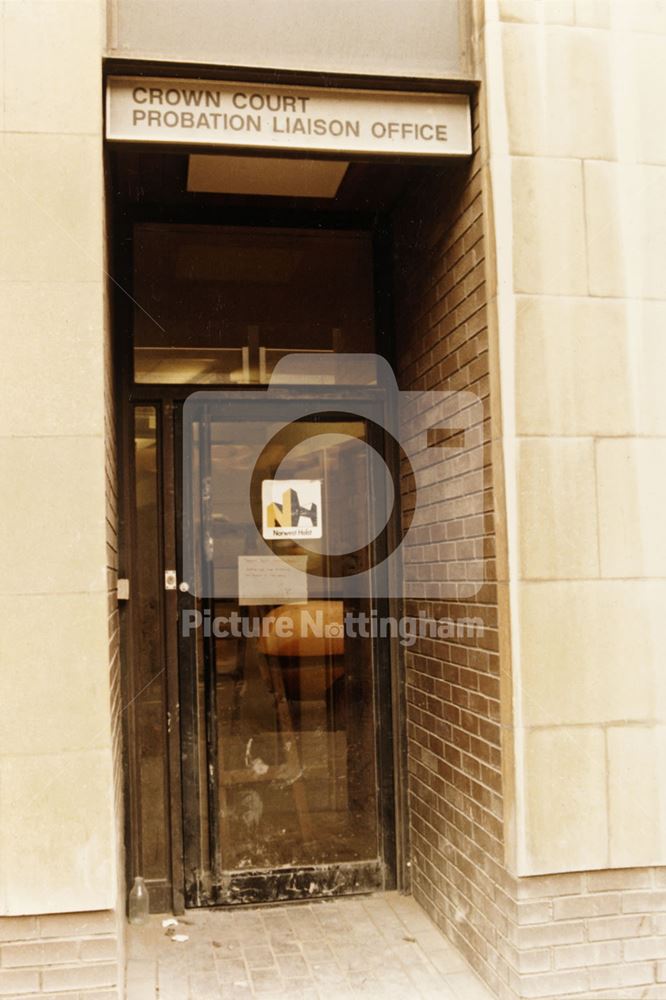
(283, 736)
(260, 768)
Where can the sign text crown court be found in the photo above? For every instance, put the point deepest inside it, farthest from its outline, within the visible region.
(297, 118)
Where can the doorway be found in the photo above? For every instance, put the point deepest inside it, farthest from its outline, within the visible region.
(262, 733)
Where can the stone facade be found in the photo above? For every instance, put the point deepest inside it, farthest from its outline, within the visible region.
(58, 837)
(576, 471)
(532, 275)
(575, 316)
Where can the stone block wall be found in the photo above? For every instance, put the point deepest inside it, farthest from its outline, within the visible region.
(58, 865)
(577, 180)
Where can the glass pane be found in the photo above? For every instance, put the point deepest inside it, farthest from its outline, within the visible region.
(183, 365)
(149, 705)
(295, 715)
(197, 653)
(222, 305)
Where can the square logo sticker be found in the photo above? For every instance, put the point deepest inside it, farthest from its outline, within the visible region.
(291, 508)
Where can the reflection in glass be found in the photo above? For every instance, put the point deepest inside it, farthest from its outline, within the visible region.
(295, 715)
(147, 701)
(222, 305)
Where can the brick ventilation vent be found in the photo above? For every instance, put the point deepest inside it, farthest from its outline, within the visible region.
(71, 956)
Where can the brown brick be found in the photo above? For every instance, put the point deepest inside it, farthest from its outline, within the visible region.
(14, 982)
(619, 878)
(644, 902)
(53, 996)
(608, 928)
(550, 984)
(639, 949)
(551, 934)
(18, 928)
(628, 993)
(39, 953)
(656, 992)
(572, 907)
(99, 949)
(545, 886)
(537, 960)
(619, 976)
(80, 977)
(538, 911)
(587, 955)
(62, 925)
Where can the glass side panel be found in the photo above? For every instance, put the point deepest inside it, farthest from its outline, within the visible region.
(148, 699)
(222, 305)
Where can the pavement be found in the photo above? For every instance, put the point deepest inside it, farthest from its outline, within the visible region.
(378, 946)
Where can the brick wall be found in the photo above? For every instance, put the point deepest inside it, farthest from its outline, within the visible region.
(72, 956)
(452, 686)
(579, 936)
(586, 935)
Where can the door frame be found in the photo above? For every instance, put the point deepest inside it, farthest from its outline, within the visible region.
(165, 399)
(203, 887)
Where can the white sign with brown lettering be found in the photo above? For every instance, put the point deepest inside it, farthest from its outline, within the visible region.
(220, 113)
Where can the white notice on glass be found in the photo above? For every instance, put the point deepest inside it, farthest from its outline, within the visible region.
(271, 580)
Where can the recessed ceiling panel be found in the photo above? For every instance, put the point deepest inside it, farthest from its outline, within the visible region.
(254, 175)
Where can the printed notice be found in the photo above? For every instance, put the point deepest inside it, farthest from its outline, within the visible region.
(291, 508)
(271, 579)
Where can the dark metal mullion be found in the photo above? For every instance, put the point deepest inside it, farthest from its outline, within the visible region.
(382, 656)
(210, 673)
(133, 790)
(169, 503)
(396, 608)
(387, 346)
(189, 721)
(163, 475)
(256, 396)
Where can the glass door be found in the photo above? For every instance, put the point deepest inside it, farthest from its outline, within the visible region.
(285, 704)
(261, 752)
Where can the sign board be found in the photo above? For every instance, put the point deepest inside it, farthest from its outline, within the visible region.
(267, 579)
(262, 116)
(291, 508)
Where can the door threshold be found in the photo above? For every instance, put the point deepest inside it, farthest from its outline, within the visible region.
(300, 883)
